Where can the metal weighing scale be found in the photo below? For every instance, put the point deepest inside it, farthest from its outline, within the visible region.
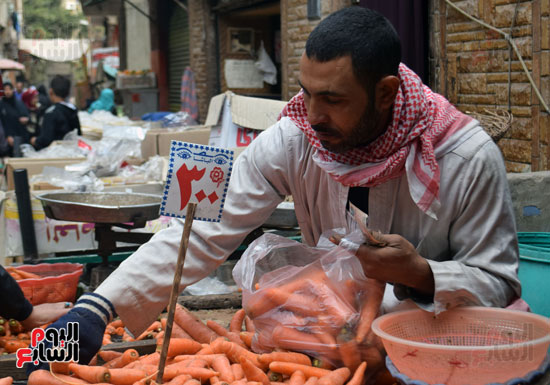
(106, 210)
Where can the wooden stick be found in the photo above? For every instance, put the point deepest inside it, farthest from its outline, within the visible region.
(175, 287)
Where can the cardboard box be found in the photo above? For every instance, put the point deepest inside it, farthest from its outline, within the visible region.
(237, 120)
(34, 166)
(157, 140)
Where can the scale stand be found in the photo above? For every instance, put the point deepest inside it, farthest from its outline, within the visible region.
(106, 239)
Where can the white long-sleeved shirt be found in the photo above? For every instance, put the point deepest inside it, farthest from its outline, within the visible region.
(471, 248)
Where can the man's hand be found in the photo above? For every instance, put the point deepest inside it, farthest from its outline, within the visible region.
(33, 140)
(398, 262)
(46, 313)
(23, 120)
(10, 140)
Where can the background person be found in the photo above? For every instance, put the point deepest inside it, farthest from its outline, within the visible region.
(105, 102)
(60, 118)
(14, 116)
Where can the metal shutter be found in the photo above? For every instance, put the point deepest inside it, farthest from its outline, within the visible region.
(178, 55)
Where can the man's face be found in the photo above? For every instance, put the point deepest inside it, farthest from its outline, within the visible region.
(19, 86)
(339, 109)
(8, 92)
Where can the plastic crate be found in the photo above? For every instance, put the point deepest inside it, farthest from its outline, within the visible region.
(58, 283)
(534, 270)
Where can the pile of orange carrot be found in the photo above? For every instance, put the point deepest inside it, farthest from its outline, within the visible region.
(312, 314)
(19, 274)
(210, 354)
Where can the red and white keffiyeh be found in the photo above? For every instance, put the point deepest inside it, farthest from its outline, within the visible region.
(422, 121)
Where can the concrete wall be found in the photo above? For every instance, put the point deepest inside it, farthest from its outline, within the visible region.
(531, 198)
(471, 65)
(138, 36)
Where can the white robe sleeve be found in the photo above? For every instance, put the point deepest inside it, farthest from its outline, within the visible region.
(140, 288)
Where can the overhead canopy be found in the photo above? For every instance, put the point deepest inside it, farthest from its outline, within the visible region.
(60, 50)
(7, 64)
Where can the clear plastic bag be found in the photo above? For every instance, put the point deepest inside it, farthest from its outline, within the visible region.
(309, 300)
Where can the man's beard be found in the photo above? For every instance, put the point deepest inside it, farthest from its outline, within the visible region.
(364, 132)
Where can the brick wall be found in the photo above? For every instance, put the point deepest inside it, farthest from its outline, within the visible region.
(295, 28)
(475, 69)
(203, 53)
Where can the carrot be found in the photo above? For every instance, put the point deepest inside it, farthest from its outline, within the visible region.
(178, 380)
(126, 337)
(292, 339)
(108, 355)
(311, 381)
(128, 356)
(297, 378)
(150, 359)
(6, 381)
(217, 328)
(60, 367)
(246, 338)
(26, 274)
(236, 323)
(116, 323)
(249, 325)
(222, 365)
(91, 374)
(258, 304)
(223, 332)
(242, 381)
(206, 349)
(237, 370)
(374, 293)
(252, 372)
(183, 346)
(15, 275)
(192, 381)
(44, 377)
(209, 358)
(335, 377)
(193, 326)
(123, 376)
(106, 339)
(178, 368)
(298, 358)
(234, 352)
(349, 354)
(177, 331)
(287, 368)
(358, 375)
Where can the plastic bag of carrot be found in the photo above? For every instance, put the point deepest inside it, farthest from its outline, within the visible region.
(311, 300)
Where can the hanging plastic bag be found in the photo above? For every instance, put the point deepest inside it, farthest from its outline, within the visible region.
(266, 66)
(309, 300)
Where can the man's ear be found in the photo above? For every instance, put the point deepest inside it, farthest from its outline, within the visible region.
(386, 91)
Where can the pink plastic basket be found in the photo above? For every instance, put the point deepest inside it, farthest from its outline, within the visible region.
(470, 345)
(58, 284)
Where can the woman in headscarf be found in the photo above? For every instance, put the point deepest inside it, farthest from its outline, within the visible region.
(14, 116)
(106, 102)
(30, 98)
